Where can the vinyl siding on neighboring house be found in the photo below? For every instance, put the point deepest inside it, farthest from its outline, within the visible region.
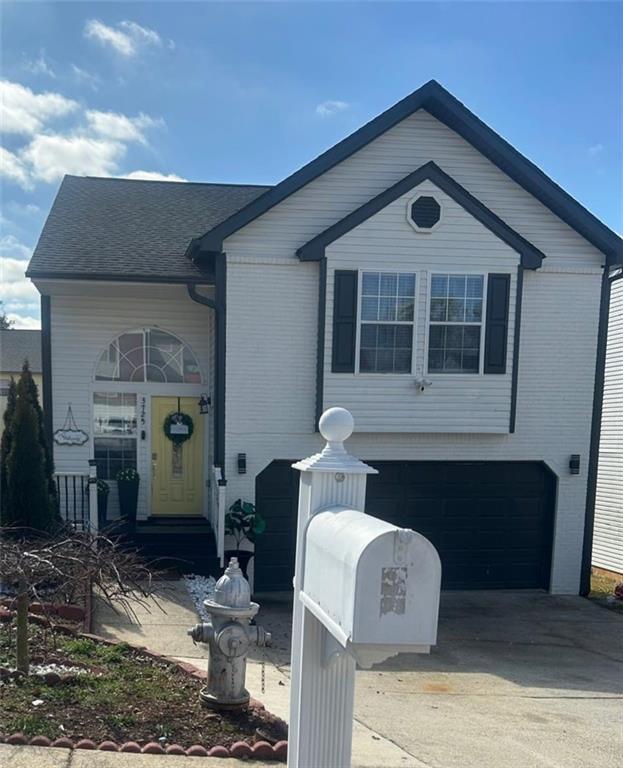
(608, 532)
(390, 402)
(272, 314)
(83, 325)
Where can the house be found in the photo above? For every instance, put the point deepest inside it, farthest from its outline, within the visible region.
(608, 531)
(16, 346)
(421, 273)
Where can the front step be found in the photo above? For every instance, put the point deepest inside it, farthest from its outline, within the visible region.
(184, 545)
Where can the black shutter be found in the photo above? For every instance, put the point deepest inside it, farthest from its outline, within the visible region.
(344, 321)
(496, 332)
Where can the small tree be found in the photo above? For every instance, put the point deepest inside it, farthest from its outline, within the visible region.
(5, 323)
(5, 442)
(32, 392)
(59, 563)
(28, 503)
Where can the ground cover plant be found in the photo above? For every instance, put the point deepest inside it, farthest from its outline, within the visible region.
(121, 695)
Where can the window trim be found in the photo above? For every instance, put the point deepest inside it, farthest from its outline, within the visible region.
(359, 321)
(483, 322)
(425, 230)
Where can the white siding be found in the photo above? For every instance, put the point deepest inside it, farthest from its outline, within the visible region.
(390, 402)
(82, 325)
(608, 535)
(270, 400)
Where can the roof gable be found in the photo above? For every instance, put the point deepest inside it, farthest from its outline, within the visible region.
(433, 98)
(531, 257)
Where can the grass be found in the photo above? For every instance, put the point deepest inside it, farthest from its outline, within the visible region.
(124, 696)
(602, 587)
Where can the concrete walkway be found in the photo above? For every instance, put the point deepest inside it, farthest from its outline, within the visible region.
(166, 633)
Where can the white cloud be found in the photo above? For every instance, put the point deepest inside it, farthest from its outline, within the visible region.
(88, 78)
(24, 322)
(52, 156)
(25, 112)
(153, 176)
(595, 150)
(13, 169)
(127, 38)
(331, 107)
(19, 295)
(39, 66)
(118, 127)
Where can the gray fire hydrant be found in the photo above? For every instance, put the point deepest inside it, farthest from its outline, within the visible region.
(229, 637)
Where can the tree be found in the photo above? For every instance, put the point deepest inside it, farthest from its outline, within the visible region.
(59, 563)
(32, 392)
(5, 323)
(5, 441)
(28, 502)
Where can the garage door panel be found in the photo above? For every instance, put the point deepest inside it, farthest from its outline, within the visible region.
(491, 522)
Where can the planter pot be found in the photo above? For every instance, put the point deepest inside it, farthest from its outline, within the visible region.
(243, 555)
(102, 509)
(128, 500)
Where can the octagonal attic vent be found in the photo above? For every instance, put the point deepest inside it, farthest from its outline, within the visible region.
(424, 213)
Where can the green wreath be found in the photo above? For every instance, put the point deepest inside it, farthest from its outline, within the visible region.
(174, 420)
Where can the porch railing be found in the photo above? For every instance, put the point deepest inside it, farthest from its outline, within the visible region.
(77, 498)
(217, 511)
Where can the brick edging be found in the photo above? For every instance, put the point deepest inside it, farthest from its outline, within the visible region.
(261, 750)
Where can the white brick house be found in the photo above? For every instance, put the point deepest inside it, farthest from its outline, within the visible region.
(421, 273)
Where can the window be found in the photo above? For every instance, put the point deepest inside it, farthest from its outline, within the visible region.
(455, 323)
(148, 355)
(4, 387)
(387, 313)
(114, 432)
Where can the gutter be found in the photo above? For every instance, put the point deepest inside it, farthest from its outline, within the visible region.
(218, 305)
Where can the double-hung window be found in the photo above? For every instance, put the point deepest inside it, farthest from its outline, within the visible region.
(386, 326)
(455, 323)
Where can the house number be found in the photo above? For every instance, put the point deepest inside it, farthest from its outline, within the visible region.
(143, 410)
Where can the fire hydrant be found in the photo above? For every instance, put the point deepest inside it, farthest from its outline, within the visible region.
(229, 637)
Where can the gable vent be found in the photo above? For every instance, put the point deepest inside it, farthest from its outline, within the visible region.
(425, 212)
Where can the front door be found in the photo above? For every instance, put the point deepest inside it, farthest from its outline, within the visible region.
(177, 481)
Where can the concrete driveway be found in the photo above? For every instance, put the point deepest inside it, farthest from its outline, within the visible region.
(517, 680)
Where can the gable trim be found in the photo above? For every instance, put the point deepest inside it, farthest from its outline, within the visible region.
(531, 257)
(438, 102)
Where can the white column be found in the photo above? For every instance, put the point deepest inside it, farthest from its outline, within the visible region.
(322, 691)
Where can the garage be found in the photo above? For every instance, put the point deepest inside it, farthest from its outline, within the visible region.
(491, 522)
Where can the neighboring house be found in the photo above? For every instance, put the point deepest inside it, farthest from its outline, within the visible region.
(15, 347)
(421, 273)
(608, 533)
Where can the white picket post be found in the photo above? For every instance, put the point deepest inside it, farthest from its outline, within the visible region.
(93, 519)
(321, 698)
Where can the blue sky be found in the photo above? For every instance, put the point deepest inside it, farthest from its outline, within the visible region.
(243, 92)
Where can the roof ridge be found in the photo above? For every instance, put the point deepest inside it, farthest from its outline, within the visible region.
(165, 181)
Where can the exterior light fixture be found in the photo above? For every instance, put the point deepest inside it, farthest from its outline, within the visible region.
(574, 464)
(242, 463)
(204, 403)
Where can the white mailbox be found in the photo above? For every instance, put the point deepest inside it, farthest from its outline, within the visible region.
(373, 585)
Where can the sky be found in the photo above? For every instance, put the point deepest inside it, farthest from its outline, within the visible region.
(249, 92)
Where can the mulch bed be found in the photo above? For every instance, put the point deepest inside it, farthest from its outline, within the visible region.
(129, 700)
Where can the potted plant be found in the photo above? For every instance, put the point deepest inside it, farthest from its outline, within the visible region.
(244, 523)
(127, 483)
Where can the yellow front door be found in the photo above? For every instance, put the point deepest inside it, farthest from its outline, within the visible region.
(177, 482)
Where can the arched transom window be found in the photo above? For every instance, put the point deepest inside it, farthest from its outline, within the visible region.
(148, 354)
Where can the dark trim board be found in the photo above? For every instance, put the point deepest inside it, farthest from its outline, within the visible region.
(46, 368)
(207, 279)
(516, 345)
(593, 459)
(442, 105)
(531, 257)
(322, 318)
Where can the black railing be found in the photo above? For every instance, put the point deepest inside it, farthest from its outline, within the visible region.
(73, 499)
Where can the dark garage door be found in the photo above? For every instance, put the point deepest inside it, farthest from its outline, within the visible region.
(491, 522)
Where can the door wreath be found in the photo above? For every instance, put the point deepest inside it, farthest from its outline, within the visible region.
(178, 427)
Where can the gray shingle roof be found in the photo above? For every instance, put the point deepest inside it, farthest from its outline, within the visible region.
(131, 228)
(17, 346)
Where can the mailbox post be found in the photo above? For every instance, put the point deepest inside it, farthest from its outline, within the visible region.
(364, 590)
